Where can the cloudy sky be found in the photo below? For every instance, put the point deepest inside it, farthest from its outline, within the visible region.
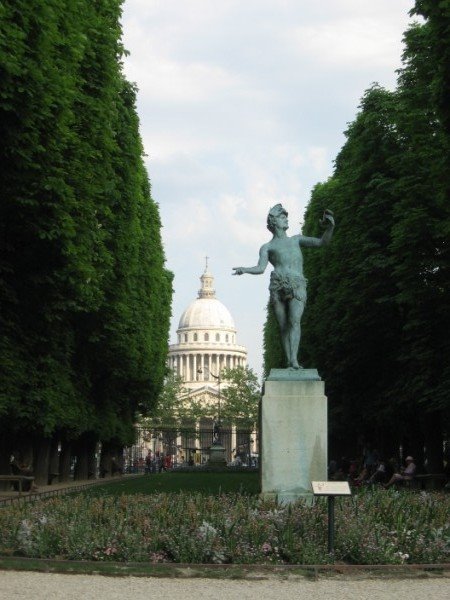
(243, 104)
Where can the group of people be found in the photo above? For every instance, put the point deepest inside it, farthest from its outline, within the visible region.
(373, 470)
(158, 462)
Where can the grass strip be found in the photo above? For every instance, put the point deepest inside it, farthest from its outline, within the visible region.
(253, 572)
(204, 483)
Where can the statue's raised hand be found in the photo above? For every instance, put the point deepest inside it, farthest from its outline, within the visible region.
(239, 270)
(327, 218)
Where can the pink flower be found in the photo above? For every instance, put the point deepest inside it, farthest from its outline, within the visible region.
(266, 548)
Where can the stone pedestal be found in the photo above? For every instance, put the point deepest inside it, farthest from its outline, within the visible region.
(293, 434)
(217, 456)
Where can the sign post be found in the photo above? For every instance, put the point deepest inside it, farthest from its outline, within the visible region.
(331, 489)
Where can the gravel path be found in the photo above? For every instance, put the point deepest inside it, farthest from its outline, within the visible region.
(52, 586)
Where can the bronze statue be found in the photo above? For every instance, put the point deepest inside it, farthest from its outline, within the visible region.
(287, 283)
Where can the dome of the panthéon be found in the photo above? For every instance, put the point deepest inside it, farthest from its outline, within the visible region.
(206, 312)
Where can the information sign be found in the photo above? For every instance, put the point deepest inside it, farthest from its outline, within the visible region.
(331, 488)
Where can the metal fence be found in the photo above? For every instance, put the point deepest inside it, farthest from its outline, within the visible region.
(170, 447)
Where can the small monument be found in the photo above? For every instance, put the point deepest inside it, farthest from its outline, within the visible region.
(294, 407)
(217, 450)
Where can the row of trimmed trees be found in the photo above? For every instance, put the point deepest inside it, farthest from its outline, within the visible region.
(377, 320)
(85, 296)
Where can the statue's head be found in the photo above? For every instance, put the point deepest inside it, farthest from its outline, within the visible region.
(275, 212)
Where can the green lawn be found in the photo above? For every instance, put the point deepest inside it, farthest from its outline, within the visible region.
(204, 483)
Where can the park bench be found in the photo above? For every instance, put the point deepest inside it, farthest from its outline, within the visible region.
(20, 479)
(429, 481)
(426, 482)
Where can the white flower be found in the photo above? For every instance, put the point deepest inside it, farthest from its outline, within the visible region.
(24, 534)
(403, 556)
(206, 530)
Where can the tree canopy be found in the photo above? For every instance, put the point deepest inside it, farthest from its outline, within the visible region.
(85, 296)
(240, 394)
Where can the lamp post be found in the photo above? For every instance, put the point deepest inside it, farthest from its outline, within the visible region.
(217, 425)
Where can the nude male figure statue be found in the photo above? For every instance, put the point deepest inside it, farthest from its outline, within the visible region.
(287, 283)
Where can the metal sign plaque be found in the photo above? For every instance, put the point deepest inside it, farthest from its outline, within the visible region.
(331, 488)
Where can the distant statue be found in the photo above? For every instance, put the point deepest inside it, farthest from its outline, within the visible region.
(216, 432)
(287, 283)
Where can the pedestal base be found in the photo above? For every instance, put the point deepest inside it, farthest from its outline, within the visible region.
(217, 456)
(293, 434)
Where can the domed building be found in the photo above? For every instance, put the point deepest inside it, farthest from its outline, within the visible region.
(206, 344)
(206, 340)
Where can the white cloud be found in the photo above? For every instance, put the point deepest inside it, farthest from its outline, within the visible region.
(349, 43)
(169, 81)
(169, 145)
(193, 217)
(319, 160)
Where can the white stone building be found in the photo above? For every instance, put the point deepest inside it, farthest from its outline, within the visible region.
(206, 342)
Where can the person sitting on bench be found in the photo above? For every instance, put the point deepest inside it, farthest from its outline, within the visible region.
(19, 468)
(406, 474)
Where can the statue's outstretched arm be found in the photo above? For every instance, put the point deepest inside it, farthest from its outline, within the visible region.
(328, 221)
(260, 267)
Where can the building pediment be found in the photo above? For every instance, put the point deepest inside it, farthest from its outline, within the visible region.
(205, 390)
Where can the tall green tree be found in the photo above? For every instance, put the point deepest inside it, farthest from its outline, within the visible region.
(175, 406)
(84, 293)
(241, 396)
(351, 319)
(420, 235)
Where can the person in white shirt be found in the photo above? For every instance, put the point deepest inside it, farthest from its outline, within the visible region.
(406, 474)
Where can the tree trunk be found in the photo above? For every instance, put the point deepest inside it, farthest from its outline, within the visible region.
(434, 442)
(82, 454)
(85, 450)
(120, 460)
(5, 459)
(413, 442)
(106, 460)
(41, 460)
(340, 446)
(387, 442)
(54, 472)
(92, 466)
(64, 461)
(27, 451)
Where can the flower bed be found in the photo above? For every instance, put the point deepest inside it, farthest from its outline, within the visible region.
(371, 528)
